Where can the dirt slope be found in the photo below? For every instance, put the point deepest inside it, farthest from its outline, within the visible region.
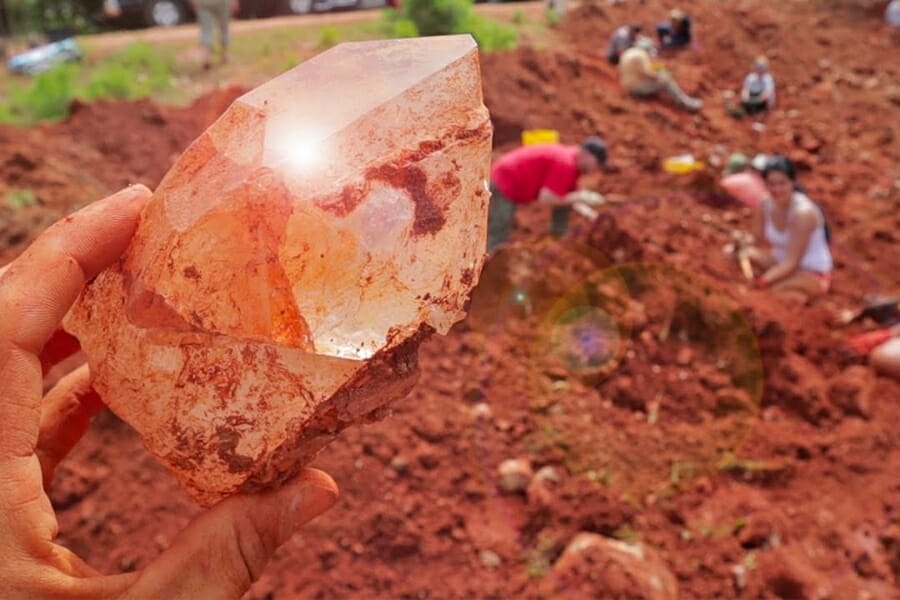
(676, 406)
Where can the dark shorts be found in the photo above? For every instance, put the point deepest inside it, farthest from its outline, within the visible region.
(751, 107)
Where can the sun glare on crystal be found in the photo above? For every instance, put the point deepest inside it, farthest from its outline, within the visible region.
(303, 152)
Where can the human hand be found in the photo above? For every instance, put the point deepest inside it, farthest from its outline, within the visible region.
(219, 554)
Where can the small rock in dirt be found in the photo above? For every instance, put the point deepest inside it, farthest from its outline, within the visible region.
(542, 488)
(602, 567)
(128, 563)
(490, 559)
(515, 474)
(399, 464)
(547, 473)
(685, 356)
(430, 428)
(740, 576)
(503, 425)
(481, 411)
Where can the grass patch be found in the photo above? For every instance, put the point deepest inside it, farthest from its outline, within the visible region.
(18, 199)
(553, 17)
(328, 37)
(730, 463)
(541, 558)
(169, 71)
(626, 534)
(134, 72)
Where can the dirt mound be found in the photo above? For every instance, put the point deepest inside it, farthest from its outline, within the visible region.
(678, 408)
(102, 147)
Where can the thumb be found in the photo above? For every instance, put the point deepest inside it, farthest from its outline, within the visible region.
(224, 550)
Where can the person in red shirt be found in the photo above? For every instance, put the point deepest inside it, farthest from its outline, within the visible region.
(545, 173)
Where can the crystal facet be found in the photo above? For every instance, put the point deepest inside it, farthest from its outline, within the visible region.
(292, 260)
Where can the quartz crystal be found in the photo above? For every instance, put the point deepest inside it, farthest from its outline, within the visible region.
(292, 260)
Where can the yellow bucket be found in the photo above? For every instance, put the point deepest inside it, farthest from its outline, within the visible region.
(682, 165)
(531, 137)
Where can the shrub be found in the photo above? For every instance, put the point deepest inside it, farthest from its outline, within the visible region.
(491, 35)
(403, 28)
(438, 17)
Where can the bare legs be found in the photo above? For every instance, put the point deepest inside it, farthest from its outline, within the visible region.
(801, 285)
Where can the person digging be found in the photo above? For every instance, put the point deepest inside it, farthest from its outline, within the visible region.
(642, 78)
(881, 346)
(676, 32)
(799, 263)
(622, 39)
(542, 173)
(757, 92)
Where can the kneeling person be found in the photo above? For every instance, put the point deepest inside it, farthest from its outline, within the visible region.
(800, 263)
(758, 91)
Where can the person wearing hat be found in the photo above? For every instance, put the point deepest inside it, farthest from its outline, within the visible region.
(758, 91)
(544, 173)
(642, 78)
(742, 180)
(676, 32)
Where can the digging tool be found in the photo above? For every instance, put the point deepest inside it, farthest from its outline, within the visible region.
(740, 249)
(586, 203)
(744, 261)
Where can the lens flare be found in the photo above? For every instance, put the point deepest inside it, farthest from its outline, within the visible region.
(585, 339)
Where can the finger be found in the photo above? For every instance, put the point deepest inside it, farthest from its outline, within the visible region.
(36, 291)
(224, 550)
(66, 413)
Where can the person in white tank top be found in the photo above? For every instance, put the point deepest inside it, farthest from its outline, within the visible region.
(799, 262)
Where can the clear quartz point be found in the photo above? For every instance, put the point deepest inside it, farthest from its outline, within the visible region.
(292, 259)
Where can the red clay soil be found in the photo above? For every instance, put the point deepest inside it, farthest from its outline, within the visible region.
(677, 407)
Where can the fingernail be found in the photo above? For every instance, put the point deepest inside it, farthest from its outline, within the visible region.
(135, 194)
(310, 502)
(134, 191)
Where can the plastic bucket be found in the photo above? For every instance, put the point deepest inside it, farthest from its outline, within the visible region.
(531, 137)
